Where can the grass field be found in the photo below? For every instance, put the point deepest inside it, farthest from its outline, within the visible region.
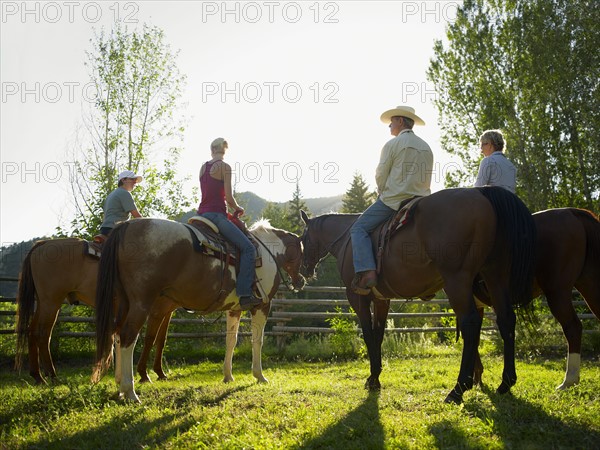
(306, 405)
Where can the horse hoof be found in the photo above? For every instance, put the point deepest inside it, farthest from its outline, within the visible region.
(262, 379)
(566, 385)
(454, 398)
(504, 388)
(145, 380)
(130, 396)
(228, 379)
(372, 385)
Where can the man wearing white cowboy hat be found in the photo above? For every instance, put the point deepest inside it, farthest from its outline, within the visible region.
(119, 203)
(404, 171)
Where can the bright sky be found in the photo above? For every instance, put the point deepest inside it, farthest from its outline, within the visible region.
(296, 88)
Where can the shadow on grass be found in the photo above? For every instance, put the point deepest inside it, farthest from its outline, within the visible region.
(360, 428)
(518, 424)
(130, 430)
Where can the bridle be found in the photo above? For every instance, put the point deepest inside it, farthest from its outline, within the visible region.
(279, 270)
(328, 249)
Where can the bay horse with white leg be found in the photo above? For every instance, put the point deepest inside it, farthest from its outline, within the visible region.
(146, 260)
(568, 247)
(450, 237)
(55, 270)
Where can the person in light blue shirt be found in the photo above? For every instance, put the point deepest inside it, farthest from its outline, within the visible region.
(495, 169)
(120, 204)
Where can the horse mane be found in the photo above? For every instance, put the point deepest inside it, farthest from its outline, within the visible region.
(261, 224)
(319, 222)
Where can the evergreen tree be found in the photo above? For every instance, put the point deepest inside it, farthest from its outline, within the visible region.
(357, 198)
(292, 215)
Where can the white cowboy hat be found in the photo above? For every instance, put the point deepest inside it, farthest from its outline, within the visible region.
(404, 111)
(130, 174)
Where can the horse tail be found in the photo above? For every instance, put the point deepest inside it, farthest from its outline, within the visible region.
(516, 225)
(591, 225)
(26, 298)
(108, 282)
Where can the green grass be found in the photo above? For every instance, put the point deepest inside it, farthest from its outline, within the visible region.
(319, 404)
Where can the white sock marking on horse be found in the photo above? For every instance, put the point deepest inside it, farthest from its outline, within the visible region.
(126, 389)
(572, 373)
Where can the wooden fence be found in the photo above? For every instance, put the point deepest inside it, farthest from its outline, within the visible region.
(288, 317)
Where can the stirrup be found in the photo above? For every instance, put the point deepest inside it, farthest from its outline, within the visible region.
(356, 288)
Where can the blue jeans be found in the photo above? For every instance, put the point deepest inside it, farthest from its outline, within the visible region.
(243, 285)
(362, 248)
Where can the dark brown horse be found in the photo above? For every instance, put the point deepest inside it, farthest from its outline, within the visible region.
(59, 269)
(568, 248)
(453, 235)
(146, 260)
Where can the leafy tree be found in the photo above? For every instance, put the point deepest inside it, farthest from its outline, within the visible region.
(292, 215)
(530, 68)
(132, 124)
(357, 197)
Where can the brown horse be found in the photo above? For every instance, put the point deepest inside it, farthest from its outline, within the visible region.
(59, 269)
(147, 260)
(568, 248)
(453, 235)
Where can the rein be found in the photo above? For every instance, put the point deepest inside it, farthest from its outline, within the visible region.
(279, 271)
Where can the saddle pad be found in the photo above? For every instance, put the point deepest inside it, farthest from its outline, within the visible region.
(403, 216)
(214, 247)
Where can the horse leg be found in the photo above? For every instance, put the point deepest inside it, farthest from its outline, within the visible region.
(161, 340)
(478, 371)
(40, 334)
(154, 334)
(117, 359)
(142, 365)
(233, 325)
(362, 307)
(126, 385)
(127, 338)
(562, 309)
(380, 313)
(470, 328)
(259, 320)
(469, 323)
(506, 321)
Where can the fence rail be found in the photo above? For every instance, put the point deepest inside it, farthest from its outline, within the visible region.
(286, 320)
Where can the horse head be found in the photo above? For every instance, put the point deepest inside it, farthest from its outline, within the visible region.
(287, 255)
(314, 252)
(292, 260)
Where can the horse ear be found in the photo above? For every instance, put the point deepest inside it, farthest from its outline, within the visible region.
(304, 216)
